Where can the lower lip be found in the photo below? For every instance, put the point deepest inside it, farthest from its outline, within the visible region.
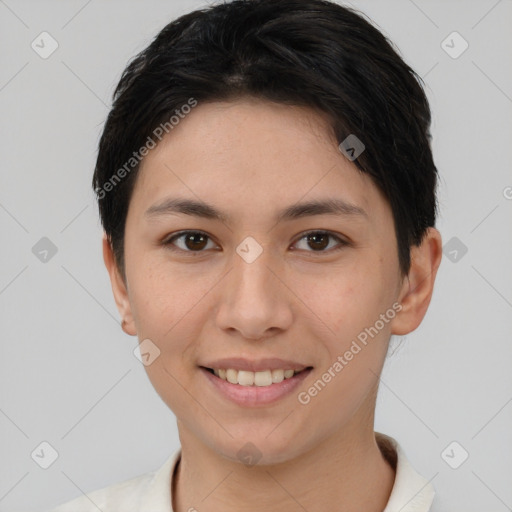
(252, 396)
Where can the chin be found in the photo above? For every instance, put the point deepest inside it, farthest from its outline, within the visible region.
(257, 449)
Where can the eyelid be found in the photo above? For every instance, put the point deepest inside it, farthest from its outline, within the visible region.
(342, 242)
(168, 240)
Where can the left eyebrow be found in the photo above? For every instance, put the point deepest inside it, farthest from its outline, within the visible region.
(338, 207)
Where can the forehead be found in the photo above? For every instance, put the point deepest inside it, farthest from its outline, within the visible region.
(252, 154)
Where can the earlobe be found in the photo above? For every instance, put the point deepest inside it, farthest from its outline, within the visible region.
(118, 289)
(418, 285)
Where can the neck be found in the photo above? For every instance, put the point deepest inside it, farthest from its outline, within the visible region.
(336, 474)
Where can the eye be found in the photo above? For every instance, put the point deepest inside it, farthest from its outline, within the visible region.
(319, 241)
(192, 241)
(196, 241)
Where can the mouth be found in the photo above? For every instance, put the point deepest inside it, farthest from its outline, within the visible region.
(254, 389)
(265, 378)
(254, 382)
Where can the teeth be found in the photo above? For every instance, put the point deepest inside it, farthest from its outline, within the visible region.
(232, 376)
(246, 378)
(263, 378)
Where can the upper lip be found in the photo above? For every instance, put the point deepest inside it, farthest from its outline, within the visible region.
(259, 365)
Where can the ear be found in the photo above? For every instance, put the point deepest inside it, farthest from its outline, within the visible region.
(418, 285)
(119, 289)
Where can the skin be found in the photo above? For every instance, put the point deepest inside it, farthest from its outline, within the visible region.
(250, 158)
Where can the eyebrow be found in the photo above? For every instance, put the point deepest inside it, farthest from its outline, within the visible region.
(337, 207)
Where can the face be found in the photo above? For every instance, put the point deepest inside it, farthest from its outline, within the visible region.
(268, 285)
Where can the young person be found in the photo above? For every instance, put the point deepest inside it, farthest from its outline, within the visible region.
(268, 194)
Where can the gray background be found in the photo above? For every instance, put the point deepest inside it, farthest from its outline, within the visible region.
(68, 375)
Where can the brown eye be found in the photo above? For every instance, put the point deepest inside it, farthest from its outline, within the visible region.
(319, 241)
(195, 241)
(191, 241)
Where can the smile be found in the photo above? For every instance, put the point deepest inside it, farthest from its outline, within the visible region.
(254, 389)
(248, 378)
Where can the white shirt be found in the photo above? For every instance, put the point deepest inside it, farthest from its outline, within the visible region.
(151, 491)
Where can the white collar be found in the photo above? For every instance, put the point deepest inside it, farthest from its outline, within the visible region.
(411, 492)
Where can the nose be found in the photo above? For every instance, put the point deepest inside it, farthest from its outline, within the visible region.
(255, 300)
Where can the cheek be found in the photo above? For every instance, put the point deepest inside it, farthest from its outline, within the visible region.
(356, 342)
(352, 299)
(166, 306)
(161, 297)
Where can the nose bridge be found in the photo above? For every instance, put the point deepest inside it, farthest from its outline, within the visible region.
(253, 298)
(252, 277)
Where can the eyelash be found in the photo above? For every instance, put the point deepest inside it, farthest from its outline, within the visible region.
(342, 243)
